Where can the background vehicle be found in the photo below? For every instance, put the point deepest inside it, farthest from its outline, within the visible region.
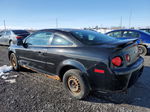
(84, 60)
(9, 37)
(146, 30)
(144, 38)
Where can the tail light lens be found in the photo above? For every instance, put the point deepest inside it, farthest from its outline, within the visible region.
(127, 57)
(18, 37)
(117, 61)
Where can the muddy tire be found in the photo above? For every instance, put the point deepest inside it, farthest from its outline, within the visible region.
(142, 50)
(75, 84)
(14, 62)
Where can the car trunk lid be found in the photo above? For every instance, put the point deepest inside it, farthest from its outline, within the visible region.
(127, 50)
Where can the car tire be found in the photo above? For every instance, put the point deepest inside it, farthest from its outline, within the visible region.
(14, 62)
(76, 84)
(142, 50)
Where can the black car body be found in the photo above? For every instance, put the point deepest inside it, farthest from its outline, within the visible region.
(8, 37)
(106, 64)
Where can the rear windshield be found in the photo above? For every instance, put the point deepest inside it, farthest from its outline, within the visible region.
(92, 37)
(20, 32)
(146, 30)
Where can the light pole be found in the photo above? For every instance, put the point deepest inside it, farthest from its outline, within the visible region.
(4, 25)
(56, 23)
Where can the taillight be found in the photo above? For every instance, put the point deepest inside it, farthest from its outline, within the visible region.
(18, 37)
(127, 57)
(117, 61)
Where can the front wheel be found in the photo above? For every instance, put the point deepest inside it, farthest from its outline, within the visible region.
(14, 62)
(75, 84)
(142, 50)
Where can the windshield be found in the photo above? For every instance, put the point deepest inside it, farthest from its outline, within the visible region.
(146, 30)
(91, 37)
(17, 32)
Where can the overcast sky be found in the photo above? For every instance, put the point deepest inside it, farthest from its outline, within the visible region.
(73, 13)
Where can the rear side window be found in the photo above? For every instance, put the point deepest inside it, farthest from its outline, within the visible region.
(146, 30)
(60, 41)
(41, 38)
(131, 34)
(117, 34)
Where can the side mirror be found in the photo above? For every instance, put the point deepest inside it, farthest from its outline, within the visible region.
(20, 42)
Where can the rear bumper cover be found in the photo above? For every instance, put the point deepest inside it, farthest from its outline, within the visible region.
(117, 79)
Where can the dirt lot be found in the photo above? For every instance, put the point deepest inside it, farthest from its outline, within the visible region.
(33, 92)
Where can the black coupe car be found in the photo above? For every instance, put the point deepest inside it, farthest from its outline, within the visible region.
(83, 60)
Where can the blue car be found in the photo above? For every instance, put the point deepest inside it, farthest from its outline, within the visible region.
(146, 30)
(143, 38)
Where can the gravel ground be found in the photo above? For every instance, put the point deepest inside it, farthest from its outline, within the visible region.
(33, 92)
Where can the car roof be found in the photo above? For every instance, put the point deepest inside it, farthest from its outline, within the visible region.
(140, 31)
(126, 30)
(18, 30)
(12, 30)
(61, 29)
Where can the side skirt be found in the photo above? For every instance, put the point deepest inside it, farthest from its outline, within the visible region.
(55, 77)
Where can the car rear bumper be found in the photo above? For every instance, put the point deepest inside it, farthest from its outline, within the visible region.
(119, 79)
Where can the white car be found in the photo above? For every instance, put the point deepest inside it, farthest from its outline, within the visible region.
(9, 37)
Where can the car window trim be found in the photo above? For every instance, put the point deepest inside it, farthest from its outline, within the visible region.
(53, 34)
(39, 45)
(131, 31)
(118, 31)
(64, 37)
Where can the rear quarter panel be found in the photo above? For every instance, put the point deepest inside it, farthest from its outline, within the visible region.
(87, 56)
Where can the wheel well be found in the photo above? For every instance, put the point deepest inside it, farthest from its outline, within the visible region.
(143, 45)
(10, 41)
(64, 70)
(9, 54)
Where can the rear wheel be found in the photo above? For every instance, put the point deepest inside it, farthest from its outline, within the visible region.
(75, 84)
(142, 50)
(14, 62)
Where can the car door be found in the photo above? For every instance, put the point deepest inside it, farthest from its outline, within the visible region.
(116, 34)
(2, 37)
(33, 53)
(60, 46)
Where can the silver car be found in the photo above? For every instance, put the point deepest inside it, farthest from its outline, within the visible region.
(9, 37)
